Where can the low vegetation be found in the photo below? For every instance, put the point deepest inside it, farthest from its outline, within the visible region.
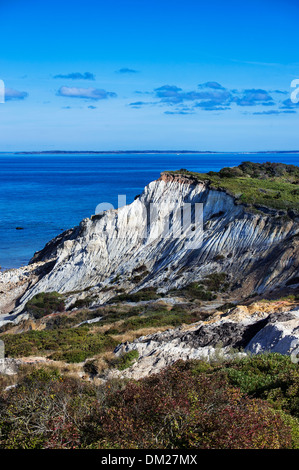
(273, 185)
(45, 303)
(124, 361)
(67, 344)
(62, 341)
(250, 403)
(205, 289)
(153, 318)
(148, 293)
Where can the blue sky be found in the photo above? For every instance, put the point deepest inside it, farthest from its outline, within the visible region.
(139, 74)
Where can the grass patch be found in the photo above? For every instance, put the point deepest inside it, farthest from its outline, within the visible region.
(274, 185)
(153, 318)
(70, 345)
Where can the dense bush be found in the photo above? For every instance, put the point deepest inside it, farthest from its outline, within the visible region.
(228, 172)
(269, 170)
(44, 411)
(193, 291)
(45, 303)
(216, 282)
(273, 377)
(257, 184)
(148, 293)
(81, 303)
(205, 289)
(124, 361)
(177, 409)
(189, 405)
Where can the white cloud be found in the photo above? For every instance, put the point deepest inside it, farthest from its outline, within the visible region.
(85, 93)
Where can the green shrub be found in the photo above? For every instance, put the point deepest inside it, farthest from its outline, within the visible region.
(272, 377)
(70, 345)
(45, 303)
(43, 375)
(228, 172)
(195, 290)
(216, 282)
(256, 184)
(156, 319)
(190, 405)
(176, 409)
(81, 303)
(125, 361)
(91, 367)
(148, 293)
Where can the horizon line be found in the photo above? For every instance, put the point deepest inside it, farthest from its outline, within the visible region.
(32, 152)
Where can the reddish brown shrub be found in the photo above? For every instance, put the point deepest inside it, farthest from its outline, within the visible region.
(179, 410)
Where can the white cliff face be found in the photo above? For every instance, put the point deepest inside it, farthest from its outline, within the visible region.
(258, 252)
(278, 336)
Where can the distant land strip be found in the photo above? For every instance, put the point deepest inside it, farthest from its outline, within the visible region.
(101, 152)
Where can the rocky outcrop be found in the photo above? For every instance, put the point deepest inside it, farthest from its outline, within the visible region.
(258, 252)
(280, 335)
(14, 283)
(9, 366)
(230, 336)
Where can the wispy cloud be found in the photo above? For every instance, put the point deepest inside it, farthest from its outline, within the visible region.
(125, 70)
(254, 97)
(181, 112)
(213, 85)
(289, 105)
(280, 92)
(138, 92)
(140, 104)
(274, 112)
(77, 76)
(11, 94)
(212, 96)
(211, 105)
(85, 93)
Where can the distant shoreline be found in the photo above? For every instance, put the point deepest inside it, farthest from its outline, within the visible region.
(145, 152)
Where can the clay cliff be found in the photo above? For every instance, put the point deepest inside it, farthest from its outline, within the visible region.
(148, 244)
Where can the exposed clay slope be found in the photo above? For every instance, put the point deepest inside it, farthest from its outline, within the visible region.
(258, 252)
(257, 329)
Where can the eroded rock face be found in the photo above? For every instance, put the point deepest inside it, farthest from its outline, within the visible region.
(15, 283)
(258, 252)
(276, 332)
(9, 366)
(280, 335)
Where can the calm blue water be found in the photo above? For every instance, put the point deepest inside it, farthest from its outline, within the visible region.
(46, 194)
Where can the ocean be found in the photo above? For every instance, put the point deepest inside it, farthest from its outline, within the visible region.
(42, 195)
